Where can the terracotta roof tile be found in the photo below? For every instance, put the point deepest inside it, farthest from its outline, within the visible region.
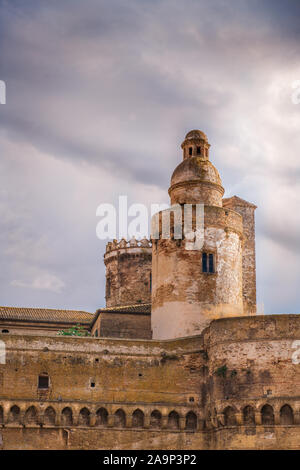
(45, 315)
(135, 308)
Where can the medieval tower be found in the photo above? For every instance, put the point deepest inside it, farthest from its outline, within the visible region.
(193, 287)
(128, 272)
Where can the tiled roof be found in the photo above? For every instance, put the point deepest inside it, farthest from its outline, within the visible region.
(238, 200)
(45, 315)
(136, 308)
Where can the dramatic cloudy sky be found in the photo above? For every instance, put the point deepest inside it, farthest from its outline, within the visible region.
(99, 97)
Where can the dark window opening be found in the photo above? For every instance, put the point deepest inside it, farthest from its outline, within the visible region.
(204, 262)
(211, 263)
(5, 331)
(190, 150)
(43, 381)
(93, 384)
(198, 150)
(192, 399)
(208, 265)
(150, 282)
(96, 333)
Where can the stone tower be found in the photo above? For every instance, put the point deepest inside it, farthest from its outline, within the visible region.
(128, 272)
(192, 287)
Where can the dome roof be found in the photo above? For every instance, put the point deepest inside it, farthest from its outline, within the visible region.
(196, 134)
(196, 169)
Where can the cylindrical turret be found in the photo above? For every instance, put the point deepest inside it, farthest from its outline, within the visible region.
(128, 272)
(192, 287)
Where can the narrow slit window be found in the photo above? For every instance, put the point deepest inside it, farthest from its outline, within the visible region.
(150, 282)
(204, 262)
(211, 263)
(108, 287)
(198, 150)
(190, 150)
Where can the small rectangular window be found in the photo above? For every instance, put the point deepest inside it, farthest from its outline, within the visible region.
(198, 150)
(204, 262)
(43, 381)
(190, 150)
(211, 263)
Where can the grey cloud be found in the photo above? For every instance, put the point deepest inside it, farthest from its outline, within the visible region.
(108, 90)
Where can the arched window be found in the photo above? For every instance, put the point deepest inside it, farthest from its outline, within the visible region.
(49, 416)
(14, 414)
(190, 151)
(198, 150)
(267, 415)
(67, 417)
(137, 419)
(286, 415)
(31, 416)
(248, 416)
(84, 417)
(155, 419)
(120, 419)
(229, 416)
(173, 420)
(191, 421)
(101, 417)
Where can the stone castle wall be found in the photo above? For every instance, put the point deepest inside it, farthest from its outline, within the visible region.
(247, 211)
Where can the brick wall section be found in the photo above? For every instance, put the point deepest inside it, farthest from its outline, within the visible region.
(123, 325)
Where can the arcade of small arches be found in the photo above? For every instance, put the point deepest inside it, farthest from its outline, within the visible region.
(250, 415)
(33, 415)
(68, 416)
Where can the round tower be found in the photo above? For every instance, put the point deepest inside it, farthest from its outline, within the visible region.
(192, 287)
(128, 272)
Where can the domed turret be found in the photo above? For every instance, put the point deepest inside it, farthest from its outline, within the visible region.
(196, 180)
(195, 144)
(191, 287)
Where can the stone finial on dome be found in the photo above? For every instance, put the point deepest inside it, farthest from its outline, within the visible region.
(195, 144)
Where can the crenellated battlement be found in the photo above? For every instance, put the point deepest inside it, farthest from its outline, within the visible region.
(128, 272)
(127, 244)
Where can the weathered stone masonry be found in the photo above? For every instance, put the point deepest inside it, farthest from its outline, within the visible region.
(233, 387)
